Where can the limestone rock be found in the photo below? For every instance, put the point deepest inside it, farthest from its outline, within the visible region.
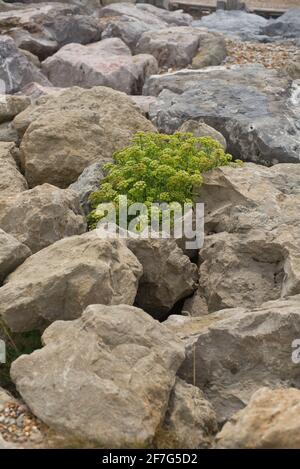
(200, 129)
(41, 216)
(168, 275)
(12, 254)
(15, 69)
(256, 109)
(11, 180)
(10, 106)
(54, 151)
(105, 63)
(270, 420)
(232, 358)
(212, 51)
(106, 377)
(190, 420)
(60, 281)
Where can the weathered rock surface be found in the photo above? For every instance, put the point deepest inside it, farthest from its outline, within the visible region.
(168, 275)
(251, 254)
(41, 216)
(105, 63)
(54, 151)
(190, 420)
(286, 26)
(256, 109)
(129, 22)
(15, 69)
(106, 377)
(270, 420)
(172, 47)
(10, 106)
(60, 281)
(230, 359)
(88, 182)
(12, 254)
(212, 51)
(293, 67)
(8, 133)
(236, 24)
(11, 180)
(200, 129)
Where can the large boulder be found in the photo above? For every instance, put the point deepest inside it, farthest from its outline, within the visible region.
(15, 69)
(231, 358)
(235, 24)
(105, 63)
(190, 420)
(129, 22)
(43, 28)
(54, 150)
(12, 254)
(41, 216)
(286, 26)
(11, 180)
(168, 274)
(251, 251)
(60, 281)
(106, 377)
(172, 47)
(256, 109)
(270, 421)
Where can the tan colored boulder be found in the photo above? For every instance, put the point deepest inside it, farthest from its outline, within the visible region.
(11, 105)
(60, 281)
(12, 254)
(200, 129)
(11, 180)
(270, 421)
(105, 378)
(41, 216)
(66, 133)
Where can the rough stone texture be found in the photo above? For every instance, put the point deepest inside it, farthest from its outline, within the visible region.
(105, 377)
(129, 22)
(256, 109)
(270, 421)
(168, 275)
(286, 26)
(172, 47)
(293, 67)
(54, 151)
(15, 69)
(200, 129)
(251, 254)
(8, 133)
(232, 358)
(212, 51)
(106, 63)
(60, 281)
(237, 24)
(143, 103)
(88, 182)
(10, 106)
(87, 6)
(190, 420)
(11, 180)
(12, 254)
(41, 216)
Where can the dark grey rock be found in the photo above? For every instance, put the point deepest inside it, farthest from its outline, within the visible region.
(286, 26)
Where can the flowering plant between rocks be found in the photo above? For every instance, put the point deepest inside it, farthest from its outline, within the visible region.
(156, 169)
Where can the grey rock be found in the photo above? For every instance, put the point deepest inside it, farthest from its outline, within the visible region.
(60, 281)
(88, 182)
(190, 421)
(232, 358)
(12, 254)
(8, 133)
(143, 103)
(286, 26)
(15, 69)
(41, 216)
(106, 63)
(254, 108)
(106, 377)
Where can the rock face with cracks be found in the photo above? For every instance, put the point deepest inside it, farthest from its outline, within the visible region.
(106, 377)
(60, 281)
(11, 180)
(12, 254)
(52, 148)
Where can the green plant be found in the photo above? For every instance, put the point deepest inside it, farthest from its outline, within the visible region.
(158, 168)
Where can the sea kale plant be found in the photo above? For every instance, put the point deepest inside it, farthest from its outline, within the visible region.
(158, 168)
